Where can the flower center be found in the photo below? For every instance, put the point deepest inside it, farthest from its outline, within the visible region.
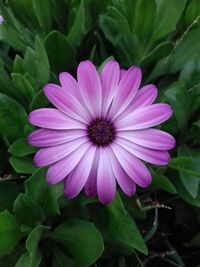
(101, 132)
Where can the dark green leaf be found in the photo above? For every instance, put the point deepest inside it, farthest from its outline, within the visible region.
(60, 53)
(62, 260)
(9, 233)
(7, 200)
(43, 11)
(45, 193)
(21, 148)
(23, 209)
(82, 239)
(22, 165)
(162, 182)
(12, 118)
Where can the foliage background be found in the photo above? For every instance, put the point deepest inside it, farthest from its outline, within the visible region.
(159, 226)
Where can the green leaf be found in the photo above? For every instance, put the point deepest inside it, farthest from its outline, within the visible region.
(82, 239)
(43, 11)
(167, 15)
(22, 165)
(12, 118)
(78, 29)
(122, 227)
(160, 51)
(21, 148)
(23, 85)
(9, 233)
(39, 101)
(191, 182)
(45, 193)
(62, 260)
(23, 209)
(192, 11)
(7, 200)
(178, 97)
(60, 53)
(183, 164)
(26, 261)
(187, 49)
(162, 182)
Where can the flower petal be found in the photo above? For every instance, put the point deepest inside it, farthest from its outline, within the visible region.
(157, 157)
(106, 183)
(52, 118)
(126, 91)
(65, 102)
(76, 180)
(151, 138)
(127, 185)
(63, 167)
(91, 184)
(109, 78)
(49, 155)
(47, 138)
(145, 117)
(70, 85)
(134, 167)
(144, 97)
(90, 87)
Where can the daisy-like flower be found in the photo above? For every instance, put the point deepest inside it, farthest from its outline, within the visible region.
(99, 132)
(1, 19)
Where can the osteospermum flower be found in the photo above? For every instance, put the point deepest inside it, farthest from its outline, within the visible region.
(1, 19)
(99, 132)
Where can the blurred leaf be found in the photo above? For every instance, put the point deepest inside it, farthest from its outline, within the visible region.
(162, 182)
(9, 233)
(21, 148)
(82, 239)
(23, 85)
(60, 53)
(43, 12)
(62, 260)
(178, 97)
(78, 29)
(39, 101)
(37, 189)
(7, 200)
(183, 164)
(145, 13)
(190, 182)
(22, 165)
(187, 48)
(122, 227)
(23, 209)
(12, 118)
(167, 15)
(192, 11)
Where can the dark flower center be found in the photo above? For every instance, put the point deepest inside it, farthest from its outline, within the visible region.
(101, 132)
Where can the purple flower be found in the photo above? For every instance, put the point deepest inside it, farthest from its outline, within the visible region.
(100, 131)
(1, 19)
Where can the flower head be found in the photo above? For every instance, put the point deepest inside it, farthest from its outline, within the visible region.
(100, 131)
(1, 19)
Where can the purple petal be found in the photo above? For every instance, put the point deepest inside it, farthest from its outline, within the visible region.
(91, 184)
(122, 72)
(1, 19)
(106, 183)
(151, 138)
(157, 157)
(70, 85)
(76, 180)
(110, 78)
(134, 168)
(63, 167)
(90, 87)
(145, 117)
(47, 138)
(65, 102)
(127, 185)
(52, 118)
(126, 91)
(49, 155)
